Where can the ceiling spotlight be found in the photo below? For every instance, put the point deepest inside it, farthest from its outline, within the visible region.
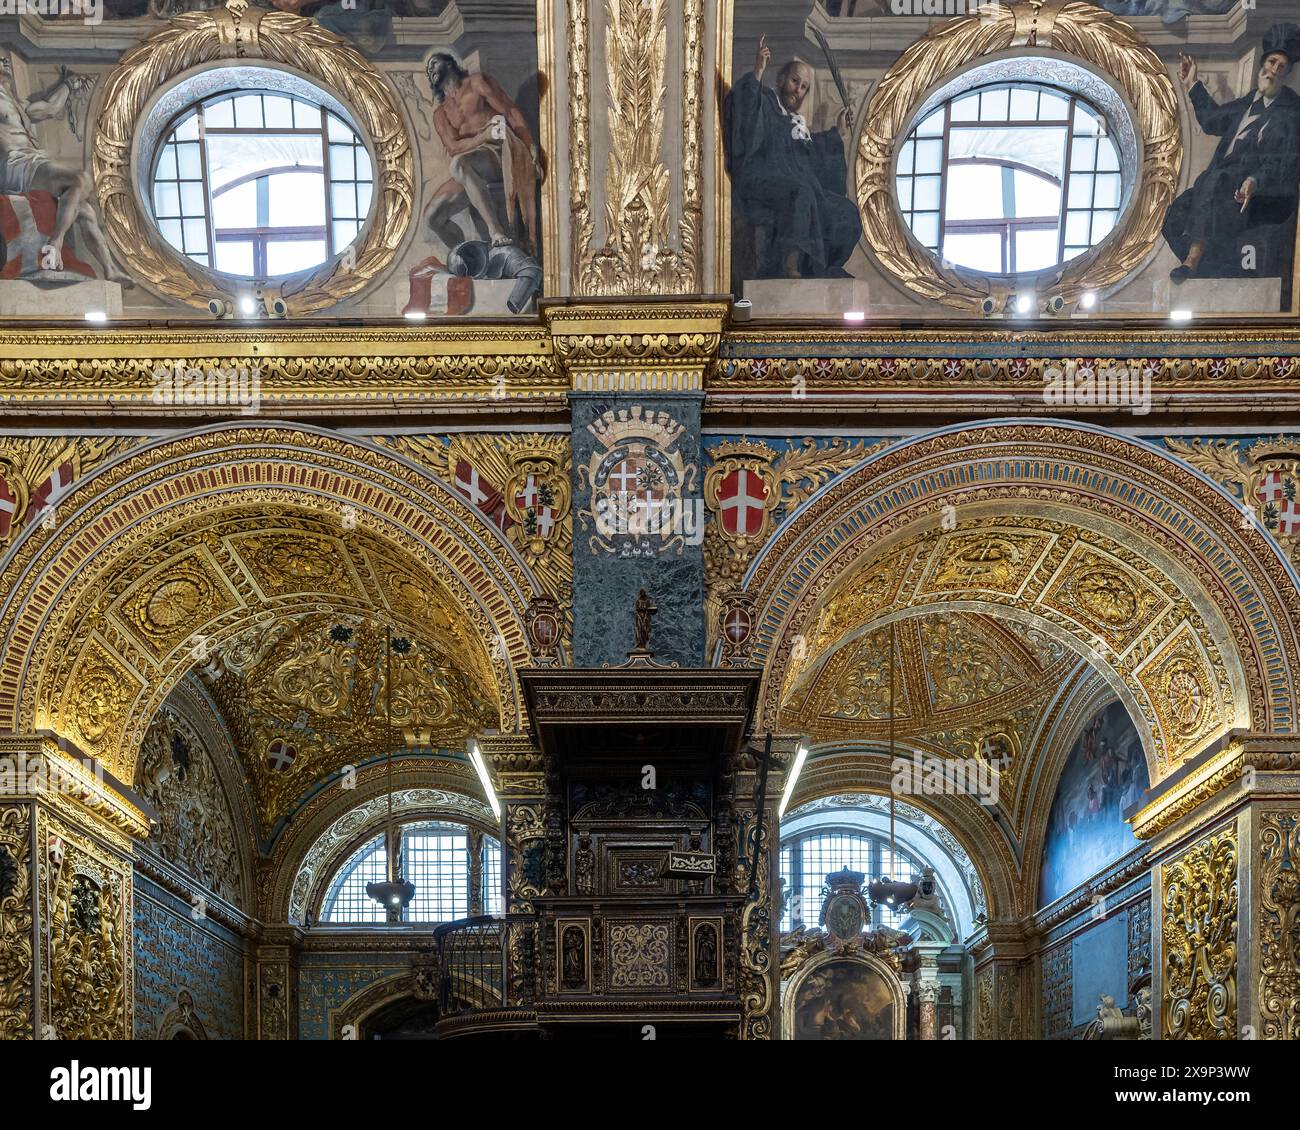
(96, 316)
(1087, 300)
(247, 306)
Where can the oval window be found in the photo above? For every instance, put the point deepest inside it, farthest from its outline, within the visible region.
(1010, 178)
(260, 183)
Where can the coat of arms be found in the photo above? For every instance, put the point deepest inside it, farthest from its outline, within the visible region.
(639, 483)
(1266, 476)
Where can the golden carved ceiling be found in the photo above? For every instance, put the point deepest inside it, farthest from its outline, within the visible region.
(951, 669)
(1081, 592)
(306, 695)
(250, 594)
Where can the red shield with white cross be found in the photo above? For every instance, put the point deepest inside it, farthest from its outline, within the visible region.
(742, 500)
(736, 625)
(8, 508)
(280, 755)
(1279, 491)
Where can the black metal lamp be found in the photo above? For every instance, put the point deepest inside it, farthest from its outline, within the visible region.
(395, 893)
(885, 891)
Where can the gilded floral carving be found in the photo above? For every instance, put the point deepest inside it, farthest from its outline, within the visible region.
(1278, 932)
(15, 923)
(1199, 940)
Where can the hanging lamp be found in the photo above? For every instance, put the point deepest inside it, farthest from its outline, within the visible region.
(886, 891)
(395, 893)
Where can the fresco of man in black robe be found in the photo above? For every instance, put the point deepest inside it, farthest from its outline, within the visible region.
(1249, 195)
(788, 181)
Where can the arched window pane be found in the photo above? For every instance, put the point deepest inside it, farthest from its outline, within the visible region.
(808, 859)
(437, 862)
(347, 900)
(493, 902)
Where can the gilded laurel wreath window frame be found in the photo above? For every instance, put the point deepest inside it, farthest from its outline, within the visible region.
(244, 36)
(1077, 33)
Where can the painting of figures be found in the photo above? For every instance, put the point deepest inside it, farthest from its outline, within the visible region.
(1008, 174)
(462, 74)
(1105, 775)
(843, 1000)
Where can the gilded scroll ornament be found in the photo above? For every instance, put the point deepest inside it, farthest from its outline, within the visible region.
(36, 471)
(636, 257)
(89, 974)
(1279, 924)
(1199, 941)
(241, 32)
(1079, 30)
(1265, 475)
(756, 958)
(15, 923)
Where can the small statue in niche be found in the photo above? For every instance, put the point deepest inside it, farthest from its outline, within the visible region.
(574, 945)
(706, 956)
(8, 872)
(642, 620)
(584, 866)
(180, 755)
(84, 907)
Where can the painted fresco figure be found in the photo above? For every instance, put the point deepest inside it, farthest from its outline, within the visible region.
(491, 149)
(1253, 180)
(788, 181)
(25, 167)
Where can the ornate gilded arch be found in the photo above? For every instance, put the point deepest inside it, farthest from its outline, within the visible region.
(174, 549)
(838, 771)
(1192, 618)
(338, 820)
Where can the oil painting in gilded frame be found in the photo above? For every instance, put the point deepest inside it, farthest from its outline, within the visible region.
(844, 996)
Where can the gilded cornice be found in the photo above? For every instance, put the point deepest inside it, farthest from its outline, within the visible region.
(299, 366)
(163, 874)
(75, 786)
(644, 346)
(1118, 875)
(1225, 778)
(665, 344)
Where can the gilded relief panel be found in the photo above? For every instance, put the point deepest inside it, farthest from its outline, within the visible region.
(1199, 940)
(197, 829)
(1278, 929)
(86, 931)
(16, 965)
